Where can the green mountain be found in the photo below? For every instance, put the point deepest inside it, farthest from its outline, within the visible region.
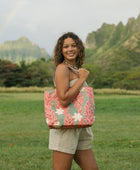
(21, 49)
(116, 50)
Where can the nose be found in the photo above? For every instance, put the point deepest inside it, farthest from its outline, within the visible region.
(70, 48)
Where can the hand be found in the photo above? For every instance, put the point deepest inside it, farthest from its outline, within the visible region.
(83, 73)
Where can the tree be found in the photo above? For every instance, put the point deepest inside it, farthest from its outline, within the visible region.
(95, 74)
(10, 74)
(41, 73)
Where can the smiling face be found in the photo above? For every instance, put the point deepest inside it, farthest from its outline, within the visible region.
(70, 50)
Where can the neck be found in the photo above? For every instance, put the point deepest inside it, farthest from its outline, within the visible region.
(71, 65)
(72, 62)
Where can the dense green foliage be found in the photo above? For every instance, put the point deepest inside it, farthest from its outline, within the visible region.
(115, 51)
(21, 49)
(38, 73)
(24, 135)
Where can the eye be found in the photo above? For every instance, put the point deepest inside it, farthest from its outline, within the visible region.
(65, 46)
(74, 45)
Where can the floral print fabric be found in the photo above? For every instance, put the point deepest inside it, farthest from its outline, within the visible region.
(79, 113)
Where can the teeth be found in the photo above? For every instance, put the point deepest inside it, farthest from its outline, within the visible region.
(70, 53)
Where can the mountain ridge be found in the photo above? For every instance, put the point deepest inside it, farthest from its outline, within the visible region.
(109, 40)
(22, 49)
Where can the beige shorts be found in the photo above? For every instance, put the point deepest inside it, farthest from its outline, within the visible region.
(70, 140)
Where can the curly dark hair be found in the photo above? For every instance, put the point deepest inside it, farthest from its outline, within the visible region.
(58, 56)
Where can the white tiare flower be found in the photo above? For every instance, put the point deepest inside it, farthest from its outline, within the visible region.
(83, 89)
(77, 117)
(57, 123)
(59, 111)
(47, 120)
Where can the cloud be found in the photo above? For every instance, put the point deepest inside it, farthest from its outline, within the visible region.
(43, 21)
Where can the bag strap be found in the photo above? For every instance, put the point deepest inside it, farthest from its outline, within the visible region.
(73, 70)
(71, 67)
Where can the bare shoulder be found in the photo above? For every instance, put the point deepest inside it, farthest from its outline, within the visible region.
(62, 77)
(62, 69)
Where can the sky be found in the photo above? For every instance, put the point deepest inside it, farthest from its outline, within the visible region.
(44, 21)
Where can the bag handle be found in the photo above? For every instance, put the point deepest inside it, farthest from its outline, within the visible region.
(71, 67)
(74, 70)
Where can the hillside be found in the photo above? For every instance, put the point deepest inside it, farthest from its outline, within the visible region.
(21, 49)
(115, 46)
(116, 50)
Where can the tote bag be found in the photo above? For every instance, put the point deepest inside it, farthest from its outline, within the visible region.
(78, 114)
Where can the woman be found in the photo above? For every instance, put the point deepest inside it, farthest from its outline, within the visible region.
(69, 144)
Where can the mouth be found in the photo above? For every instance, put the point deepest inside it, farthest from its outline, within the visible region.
(70, 54)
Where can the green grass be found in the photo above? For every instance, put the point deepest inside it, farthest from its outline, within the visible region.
(24, 135)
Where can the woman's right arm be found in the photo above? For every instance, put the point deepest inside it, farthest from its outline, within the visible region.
(65, 93)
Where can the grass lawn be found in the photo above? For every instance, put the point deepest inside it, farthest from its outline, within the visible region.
(24, 133)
